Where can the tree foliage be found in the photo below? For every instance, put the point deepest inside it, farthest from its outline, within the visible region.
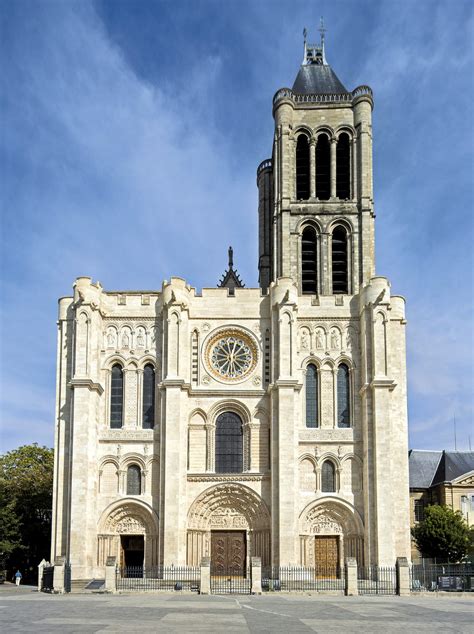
(443, 534)
(26, 491)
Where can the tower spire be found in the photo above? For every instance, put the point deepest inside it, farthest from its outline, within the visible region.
(322, 31)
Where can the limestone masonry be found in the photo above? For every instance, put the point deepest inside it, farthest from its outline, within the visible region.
(237, 422)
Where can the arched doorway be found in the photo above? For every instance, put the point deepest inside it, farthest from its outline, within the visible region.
(128, 531)
(330, 531)
(228, 523)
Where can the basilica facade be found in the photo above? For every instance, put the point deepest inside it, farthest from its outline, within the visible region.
(237, 422)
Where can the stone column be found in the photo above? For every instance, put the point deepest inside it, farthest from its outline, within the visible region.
(58, 575)
(205, 575)
(351, 577)
(333, 168)
(256, 572)
(111, 574)
(403, 577)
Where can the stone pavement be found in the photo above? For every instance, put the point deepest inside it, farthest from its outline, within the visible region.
(24, 610)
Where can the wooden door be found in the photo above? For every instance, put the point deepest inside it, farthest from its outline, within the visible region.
(326, 551)
(228, 552)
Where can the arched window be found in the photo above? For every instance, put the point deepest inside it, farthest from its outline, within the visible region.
(343, 169)
(311, 396)
(302, 167)
(323, 168)
(309, 264)
(343, 396)
(328, 477)
(116, 397)
(134, 480)
(148, 397)
(339, 261)
(229, 443)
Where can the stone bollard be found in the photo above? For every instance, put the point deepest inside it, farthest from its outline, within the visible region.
(351, 577)
(403, 577)
(58, 575)
(256, 572)
(205, 587)
(41, 567)
(111, 574)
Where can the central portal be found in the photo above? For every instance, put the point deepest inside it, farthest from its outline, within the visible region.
(326, 550)
(228, 552)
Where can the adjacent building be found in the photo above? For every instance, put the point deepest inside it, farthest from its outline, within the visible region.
(234, 422)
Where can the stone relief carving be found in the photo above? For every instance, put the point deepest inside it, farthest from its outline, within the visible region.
(130, 525)
(320, 336)
(348, 434)
(325, 525)
(305, 340)
(335, 342)
(140, 338)
(125, 340)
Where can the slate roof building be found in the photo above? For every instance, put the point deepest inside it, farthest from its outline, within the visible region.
(237, 422)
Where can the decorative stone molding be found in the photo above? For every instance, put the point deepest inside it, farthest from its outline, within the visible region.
(213, 477)
(138, 435)
(321, 435)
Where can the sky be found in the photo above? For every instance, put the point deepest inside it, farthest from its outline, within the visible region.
(129, 140)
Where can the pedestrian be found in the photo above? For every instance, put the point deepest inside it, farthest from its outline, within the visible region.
(18, 577)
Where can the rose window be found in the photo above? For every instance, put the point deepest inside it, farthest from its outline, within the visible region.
(231, 355)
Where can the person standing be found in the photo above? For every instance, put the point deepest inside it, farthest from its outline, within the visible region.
(18, 577)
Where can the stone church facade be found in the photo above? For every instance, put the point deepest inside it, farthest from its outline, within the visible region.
(238, 422)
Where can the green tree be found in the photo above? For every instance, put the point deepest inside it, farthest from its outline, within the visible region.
(26, 492)
(443, 534)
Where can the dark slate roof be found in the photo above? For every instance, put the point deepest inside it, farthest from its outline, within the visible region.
(317, 79)
(422, 466)
(454, 464)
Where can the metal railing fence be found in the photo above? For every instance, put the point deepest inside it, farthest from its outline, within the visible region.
(302, 578)
(442, 577)
(138, 578)
(377, 579)
(231, 581)
(47, 581)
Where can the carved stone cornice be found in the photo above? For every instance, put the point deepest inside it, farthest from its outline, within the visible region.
(88, 383)
(234, 477)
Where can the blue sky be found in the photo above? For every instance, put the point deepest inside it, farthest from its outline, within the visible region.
(125, 124)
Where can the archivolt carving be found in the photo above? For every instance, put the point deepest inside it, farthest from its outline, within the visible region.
(330, 517)
(129, 519)
(226, 503)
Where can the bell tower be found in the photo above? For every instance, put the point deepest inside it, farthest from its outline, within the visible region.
(316, 213)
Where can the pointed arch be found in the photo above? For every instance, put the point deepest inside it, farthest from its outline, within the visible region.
(343, 167)
(302, 167)
(309, 261)
(340, 281)
(323, 167)
(312, 394)
(343, 396)
(116, 396)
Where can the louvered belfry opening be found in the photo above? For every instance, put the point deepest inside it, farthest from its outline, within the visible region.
(323, 168)
(302, 168)
(309, 265)
(148, 397)
(339, 261)
(229, 443)
(343, 167)
(116, 397)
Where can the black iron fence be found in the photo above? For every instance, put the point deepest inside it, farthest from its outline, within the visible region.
(231, 581)
(302, 578)
(442, 577)
(377, 580)
(138, 578)
(47, 580)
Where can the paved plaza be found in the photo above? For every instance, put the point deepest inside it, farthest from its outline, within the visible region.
(24, 610)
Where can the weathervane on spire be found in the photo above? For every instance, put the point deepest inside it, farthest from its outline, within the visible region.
(231, 257)
(322, 31)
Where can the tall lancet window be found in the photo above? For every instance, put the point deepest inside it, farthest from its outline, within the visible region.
(311, 396)
(229, 443)
(302, 167)
(323, 168)
(343, 170)
(148, 397)
(343, 396)
(116, 397)
(328, 477)
(309, 264)
(339, 261)
(134, 480)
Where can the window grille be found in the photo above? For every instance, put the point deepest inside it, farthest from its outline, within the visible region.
(323, 168)
(194, 358)
(343, 167)
(229, 443)
(339, 260)
(148, 397)
(328, 477)
(309, 266)
(134, 480)
(302, 168)
(419, 508)
(311, 396)
(343, 396)
(116, 397)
